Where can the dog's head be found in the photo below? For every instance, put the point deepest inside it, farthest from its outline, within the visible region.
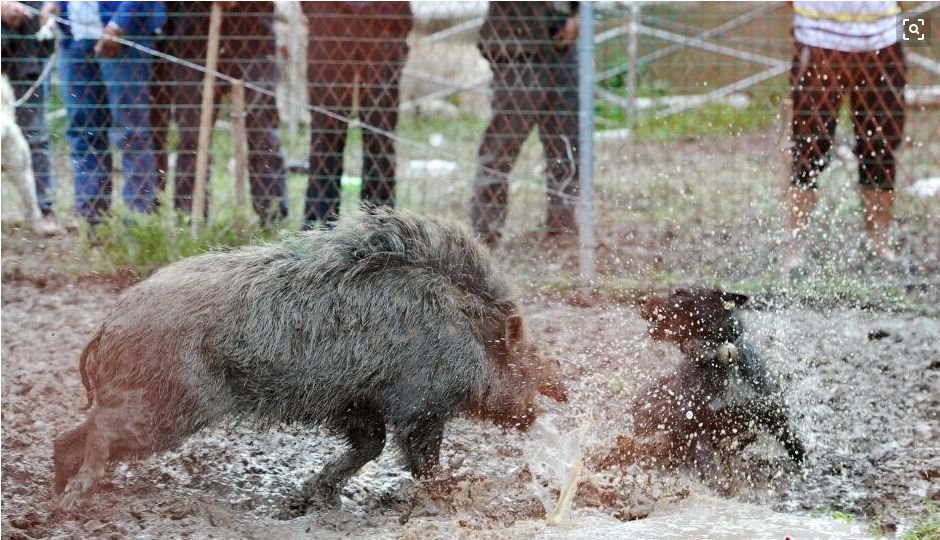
(702, 322)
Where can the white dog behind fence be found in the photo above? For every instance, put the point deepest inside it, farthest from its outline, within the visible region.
(16, 163)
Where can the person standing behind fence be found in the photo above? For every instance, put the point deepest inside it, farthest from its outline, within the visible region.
(105, 86)
(530, 48)
(846, 50)
(246, 51)
(24, 57)
(350, 42)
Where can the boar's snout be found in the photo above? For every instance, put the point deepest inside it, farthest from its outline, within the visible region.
(550, 383)
(523, 421)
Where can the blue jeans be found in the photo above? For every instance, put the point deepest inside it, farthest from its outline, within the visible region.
(31, 118)
(102, 94)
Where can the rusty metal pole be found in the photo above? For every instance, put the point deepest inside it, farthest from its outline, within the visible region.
(205, 121)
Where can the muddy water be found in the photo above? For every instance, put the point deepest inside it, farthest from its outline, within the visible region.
(861, 385)
(705, 516)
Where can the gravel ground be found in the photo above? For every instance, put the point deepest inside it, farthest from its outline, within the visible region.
(861, 384)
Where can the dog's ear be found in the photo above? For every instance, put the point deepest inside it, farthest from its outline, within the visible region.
(641, 300)
(650, 307)
(735, 299)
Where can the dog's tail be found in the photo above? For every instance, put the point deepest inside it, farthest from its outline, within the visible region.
(90, 349)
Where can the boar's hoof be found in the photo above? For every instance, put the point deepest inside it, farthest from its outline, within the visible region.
(80, 485)
(312, 496)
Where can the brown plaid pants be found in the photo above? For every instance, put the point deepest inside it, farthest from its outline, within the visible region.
(874, 83)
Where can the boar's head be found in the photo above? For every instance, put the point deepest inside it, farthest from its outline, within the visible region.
(520, 373)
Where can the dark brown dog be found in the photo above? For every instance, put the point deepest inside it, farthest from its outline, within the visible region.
(720, 397)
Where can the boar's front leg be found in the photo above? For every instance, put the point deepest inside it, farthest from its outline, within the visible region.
(422, 446)
(364, 431)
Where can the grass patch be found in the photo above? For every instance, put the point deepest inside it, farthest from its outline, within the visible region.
(141, 243)
(714, 119)
(842, 516)
(927, 527)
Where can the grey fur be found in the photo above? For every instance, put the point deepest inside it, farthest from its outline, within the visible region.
(389, 318)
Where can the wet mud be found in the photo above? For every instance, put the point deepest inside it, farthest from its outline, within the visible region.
(861, 385)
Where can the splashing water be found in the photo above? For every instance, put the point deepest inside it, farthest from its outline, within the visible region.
(706, 516)
(556, 461)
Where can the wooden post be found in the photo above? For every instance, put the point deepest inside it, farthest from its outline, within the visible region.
(205, 121)
(239, 140)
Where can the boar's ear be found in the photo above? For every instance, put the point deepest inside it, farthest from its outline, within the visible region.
(515, 333)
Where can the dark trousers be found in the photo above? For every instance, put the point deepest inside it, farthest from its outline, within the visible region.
(527, 92)
(874, 84)
(266, 169)
(334, 66)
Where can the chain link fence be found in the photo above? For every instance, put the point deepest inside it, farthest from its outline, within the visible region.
(470, 109)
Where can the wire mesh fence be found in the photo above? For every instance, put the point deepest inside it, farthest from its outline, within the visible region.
(703, 112)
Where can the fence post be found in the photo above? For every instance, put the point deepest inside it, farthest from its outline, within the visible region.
(205, 121)
(239, 140)
(586, 141)
(632, 74)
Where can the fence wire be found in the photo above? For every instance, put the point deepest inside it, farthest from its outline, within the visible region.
(465, 108)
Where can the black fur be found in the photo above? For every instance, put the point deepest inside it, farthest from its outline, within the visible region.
(722, 393)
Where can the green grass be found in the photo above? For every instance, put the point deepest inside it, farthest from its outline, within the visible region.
(825, 288)
(842, 516)
(141, 243)
(927, 527)
(713, 119)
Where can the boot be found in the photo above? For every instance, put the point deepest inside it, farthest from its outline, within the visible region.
(561, 221)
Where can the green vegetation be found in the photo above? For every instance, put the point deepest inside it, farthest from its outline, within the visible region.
(842, 516)
(711, 119)
(928, 526)
(144, 242)
(714, 119)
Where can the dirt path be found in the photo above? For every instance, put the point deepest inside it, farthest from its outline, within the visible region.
(859, 383)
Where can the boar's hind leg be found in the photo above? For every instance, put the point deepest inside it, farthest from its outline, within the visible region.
(116, 427)
(364, 431)
(67, 454)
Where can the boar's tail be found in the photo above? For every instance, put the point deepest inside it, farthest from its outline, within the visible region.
(83, 359)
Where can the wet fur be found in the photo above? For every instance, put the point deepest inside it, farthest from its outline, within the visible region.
(728, 402)
(389, 318)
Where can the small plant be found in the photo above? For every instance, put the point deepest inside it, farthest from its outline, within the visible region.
(842, 516)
